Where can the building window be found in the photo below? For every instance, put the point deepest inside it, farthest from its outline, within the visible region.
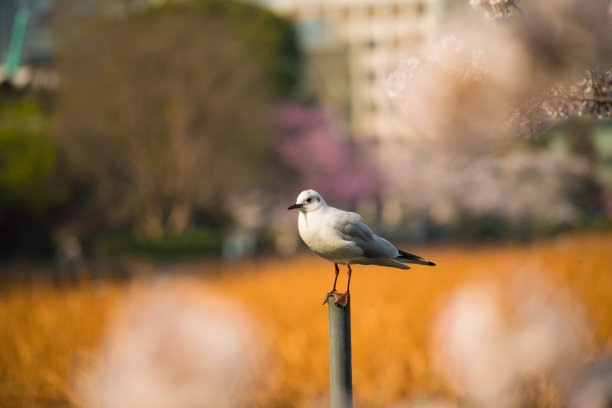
(346, 13)
(395, 11)
(421, 8)
(371, 12)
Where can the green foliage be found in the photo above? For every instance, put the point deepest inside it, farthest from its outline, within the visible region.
(190, 243)
(28, 158)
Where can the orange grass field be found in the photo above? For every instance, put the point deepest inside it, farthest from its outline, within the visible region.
(47, 332)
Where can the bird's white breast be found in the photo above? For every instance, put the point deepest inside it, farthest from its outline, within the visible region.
(324, 240)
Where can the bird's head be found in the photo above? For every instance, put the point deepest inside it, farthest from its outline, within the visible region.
(307, 201)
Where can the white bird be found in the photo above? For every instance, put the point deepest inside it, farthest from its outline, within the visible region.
(342, 237)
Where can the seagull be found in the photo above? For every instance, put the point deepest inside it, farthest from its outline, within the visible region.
(343, 238)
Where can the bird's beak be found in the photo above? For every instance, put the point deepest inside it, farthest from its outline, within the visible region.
(294, 206)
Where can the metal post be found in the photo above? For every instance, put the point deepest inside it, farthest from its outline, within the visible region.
(340, 367)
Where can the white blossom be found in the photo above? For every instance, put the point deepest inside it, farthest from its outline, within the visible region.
(468, 177)
(473, 72)
(170, 344)
(590, 96)
(395, 85)
(529, 121)
(496, 10)
(492, 337)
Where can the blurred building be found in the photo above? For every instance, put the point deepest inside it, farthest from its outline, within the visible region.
(26, 45)
(351, 46)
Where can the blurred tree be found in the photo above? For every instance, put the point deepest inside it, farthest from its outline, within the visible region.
(168, 110)
(270, 40)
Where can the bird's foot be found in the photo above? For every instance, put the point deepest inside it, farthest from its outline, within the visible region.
(333, 292)
(342, 300)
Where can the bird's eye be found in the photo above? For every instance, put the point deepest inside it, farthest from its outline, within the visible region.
(309, 199)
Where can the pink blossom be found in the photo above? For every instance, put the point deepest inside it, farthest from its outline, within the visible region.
(314, 147)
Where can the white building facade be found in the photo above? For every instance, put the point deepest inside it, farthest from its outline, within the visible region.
(352, 46)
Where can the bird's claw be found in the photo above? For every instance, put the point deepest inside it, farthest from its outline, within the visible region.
(341, 299)
(333, 292)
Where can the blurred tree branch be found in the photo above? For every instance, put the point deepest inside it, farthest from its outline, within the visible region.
(168, 110)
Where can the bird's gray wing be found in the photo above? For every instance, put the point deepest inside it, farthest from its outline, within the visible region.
(350, 227)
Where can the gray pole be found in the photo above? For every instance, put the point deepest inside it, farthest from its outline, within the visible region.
(340, 368)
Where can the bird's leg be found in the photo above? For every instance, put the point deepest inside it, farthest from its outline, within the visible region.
(334, 287)
(335, 278)
(342, 300)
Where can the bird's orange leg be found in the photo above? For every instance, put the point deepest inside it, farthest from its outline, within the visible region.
(342, 300)
(333, 291)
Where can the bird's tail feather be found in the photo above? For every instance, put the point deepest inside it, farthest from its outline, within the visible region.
(406, 257)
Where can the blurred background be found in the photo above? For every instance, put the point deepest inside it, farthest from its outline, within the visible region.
(126, 130)
(149, 150)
